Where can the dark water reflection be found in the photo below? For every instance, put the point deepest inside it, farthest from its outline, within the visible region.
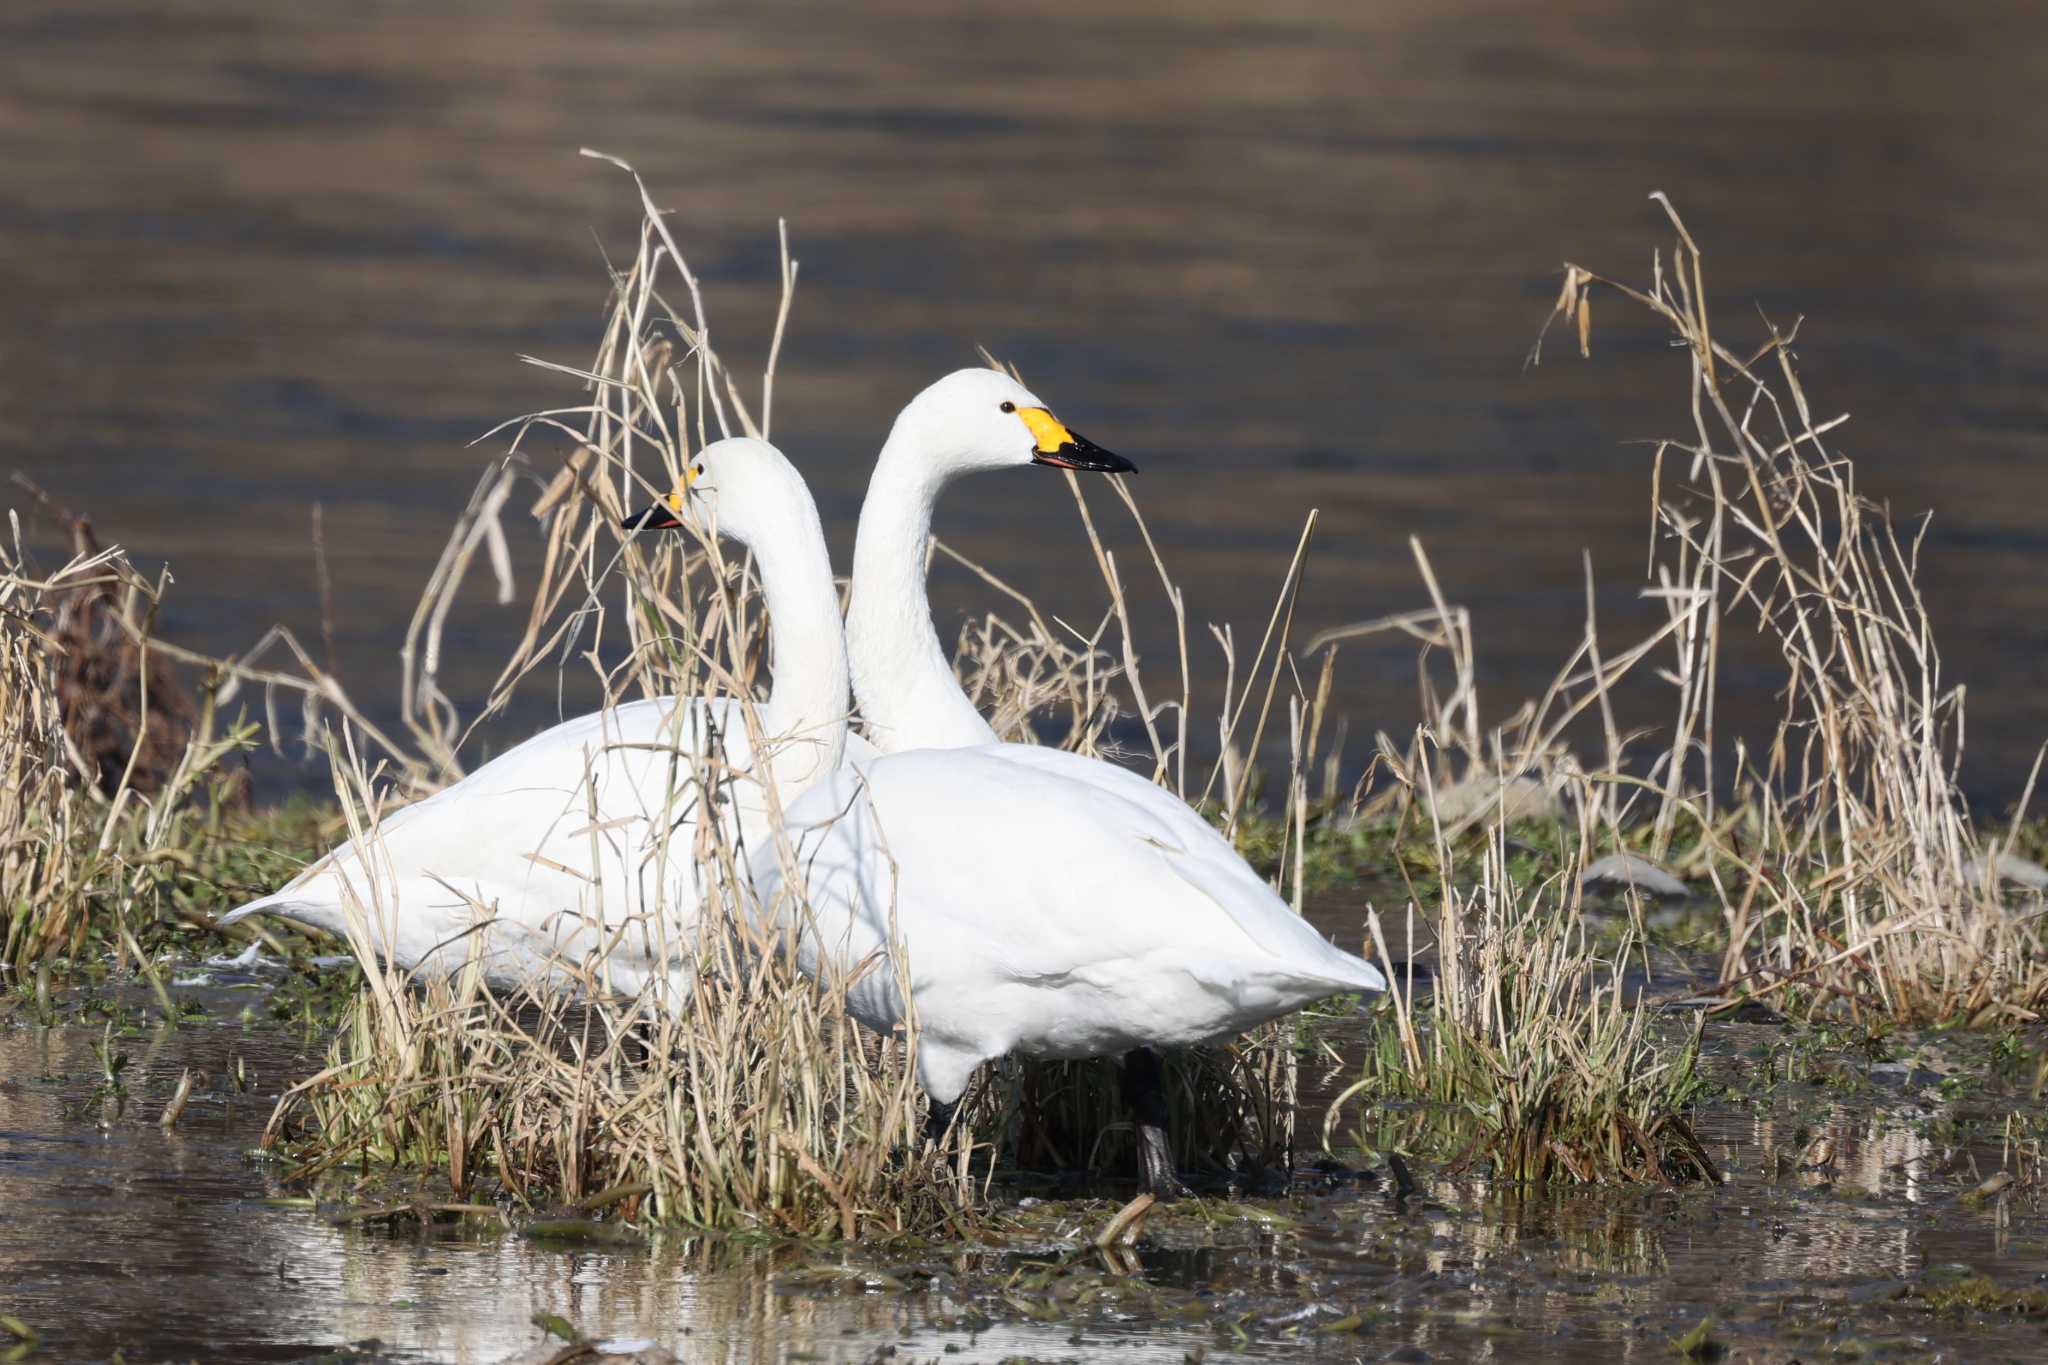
(260, 256)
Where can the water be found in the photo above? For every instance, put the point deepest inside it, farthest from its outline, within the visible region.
(261, 258)
(117, 1236)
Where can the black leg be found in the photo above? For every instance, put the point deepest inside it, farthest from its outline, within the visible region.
(637, 1043)
(937, 1119)
(1144, 1090)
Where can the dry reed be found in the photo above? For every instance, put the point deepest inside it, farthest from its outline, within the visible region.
(117, 780)
(1854, 878)
(753, 1104)
(759, 1103)
(1848, 871)
(38, 864)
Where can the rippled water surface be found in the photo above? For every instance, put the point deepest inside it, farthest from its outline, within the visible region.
(259, 257)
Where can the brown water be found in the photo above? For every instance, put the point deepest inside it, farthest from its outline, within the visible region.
(117, 1236)
(258, 257)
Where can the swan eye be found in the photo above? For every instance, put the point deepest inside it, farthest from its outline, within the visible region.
(1008, 406)
(700, 469)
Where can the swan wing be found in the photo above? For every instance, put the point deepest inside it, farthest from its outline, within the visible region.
(1040, 909)
(1198, 854)
(592, 820)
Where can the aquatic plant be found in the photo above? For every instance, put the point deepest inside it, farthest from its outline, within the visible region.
(39, 878)
(120, 816)
(125, 820)
(1531, 1051)
(1841, 853)
(755, 1103)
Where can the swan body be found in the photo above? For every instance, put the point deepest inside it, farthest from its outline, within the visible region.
(586, 836)
(1044, 904)
(1015, 898)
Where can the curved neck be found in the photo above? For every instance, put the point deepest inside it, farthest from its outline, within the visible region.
(805, 714)
(901, 677)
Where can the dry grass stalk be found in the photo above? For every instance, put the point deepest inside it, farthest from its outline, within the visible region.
(98, 833)
(755, 1104)
(1856, 889)
(39, 871)
(126, 716)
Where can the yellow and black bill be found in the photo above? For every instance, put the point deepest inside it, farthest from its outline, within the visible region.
(662, 515)
(1065, 449)
(665, 514)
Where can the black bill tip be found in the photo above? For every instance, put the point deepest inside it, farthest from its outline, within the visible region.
(656, 516)
(1078, 452)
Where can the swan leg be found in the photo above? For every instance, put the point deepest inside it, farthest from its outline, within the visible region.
(1144, 1091)
(938, 1117)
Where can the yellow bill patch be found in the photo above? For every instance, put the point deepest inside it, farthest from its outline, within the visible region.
(675, 499)
(1046, 428)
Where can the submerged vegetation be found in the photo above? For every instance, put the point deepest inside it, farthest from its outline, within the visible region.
(1836, 870)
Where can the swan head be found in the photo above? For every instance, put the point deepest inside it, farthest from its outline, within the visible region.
(739, 487)
(983, 419)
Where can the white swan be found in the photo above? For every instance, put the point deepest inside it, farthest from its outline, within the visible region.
(586, 834)
(969, 421)
(1046, 904)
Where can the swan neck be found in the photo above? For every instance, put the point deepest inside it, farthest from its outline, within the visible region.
(903, 680)
(805, 714)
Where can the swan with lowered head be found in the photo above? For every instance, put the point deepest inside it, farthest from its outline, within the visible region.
(1044, 903)
(584, 837)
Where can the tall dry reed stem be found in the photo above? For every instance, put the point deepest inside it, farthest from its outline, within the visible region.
(95, 850)
(1848, 869)
(39, 872)
(1863, 886)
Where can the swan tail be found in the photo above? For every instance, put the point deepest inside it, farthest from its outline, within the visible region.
(1359, 975)
(290, 904)
(1273, 928)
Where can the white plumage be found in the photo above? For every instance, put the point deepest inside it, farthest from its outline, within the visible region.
(512, 852)
(582, 842)
(1046, 904)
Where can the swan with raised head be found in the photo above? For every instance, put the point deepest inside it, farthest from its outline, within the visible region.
(585, 836)
(1044, 903)
(972, 420)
